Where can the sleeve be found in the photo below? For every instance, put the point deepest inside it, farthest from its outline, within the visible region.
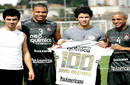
(22, 23)
(102, 37)
(24, 28)
(55, 26)
(66, 35)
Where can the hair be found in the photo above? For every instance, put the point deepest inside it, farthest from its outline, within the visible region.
(83, 9)
(11, 12)
(40, 5)
(122, 13)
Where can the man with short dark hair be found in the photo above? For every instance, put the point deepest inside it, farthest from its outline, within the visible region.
(84, 31)
(41, 35)
(13, 50)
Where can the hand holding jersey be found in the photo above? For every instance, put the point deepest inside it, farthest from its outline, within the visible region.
(61, 41)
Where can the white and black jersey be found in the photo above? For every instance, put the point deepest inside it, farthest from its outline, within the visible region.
(40, 37)
(120, 60)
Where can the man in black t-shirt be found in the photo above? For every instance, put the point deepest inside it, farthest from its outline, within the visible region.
(119, 39)
(41, 35)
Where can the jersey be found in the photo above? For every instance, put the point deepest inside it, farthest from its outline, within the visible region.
(77, 62)
(40, 37)
(78, 34)
(120, 60)
(11, 49)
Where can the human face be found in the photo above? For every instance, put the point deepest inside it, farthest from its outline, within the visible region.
(11, 22)
(119, 20)
(39, 13)
(84, 20)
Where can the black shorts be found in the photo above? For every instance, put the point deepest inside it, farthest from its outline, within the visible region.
(116, 74)
(11, 77)
(98, 76)
(118, 78)
(45, 74)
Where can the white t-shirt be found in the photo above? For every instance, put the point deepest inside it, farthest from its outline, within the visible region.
(11, 49)
(77, 62)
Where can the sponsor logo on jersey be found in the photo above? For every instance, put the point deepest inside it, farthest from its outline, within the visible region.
(42, 60)
(65, 79)
(126, 37)
(91, 38)
(79, 48)
(48, 28)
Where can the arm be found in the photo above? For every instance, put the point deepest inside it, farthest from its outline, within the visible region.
(104, 42)
(19, 26)
(117, 46)
(27, 59)
(57, 34)
(108, 41)
(64, 37)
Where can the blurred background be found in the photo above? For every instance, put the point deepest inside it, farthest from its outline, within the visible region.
(61, 11)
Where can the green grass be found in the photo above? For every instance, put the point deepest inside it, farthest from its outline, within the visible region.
(104, 69)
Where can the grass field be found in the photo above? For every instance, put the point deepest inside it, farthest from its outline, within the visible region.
(104, 69)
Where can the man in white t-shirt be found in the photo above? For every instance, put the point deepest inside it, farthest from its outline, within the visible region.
(13, 51)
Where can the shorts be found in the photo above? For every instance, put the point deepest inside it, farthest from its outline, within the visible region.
(118, 78)
(98, 77)
(45, 74)
(11, 77)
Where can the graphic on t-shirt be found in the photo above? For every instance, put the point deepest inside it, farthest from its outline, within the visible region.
(37, 37)
(77, 62)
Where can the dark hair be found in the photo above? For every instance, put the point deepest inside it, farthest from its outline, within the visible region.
(40, 4)
(11, 12)
(83, 9)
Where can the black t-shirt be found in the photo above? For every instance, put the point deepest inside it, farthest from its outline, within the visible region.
(40, 37)
(120, 60)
